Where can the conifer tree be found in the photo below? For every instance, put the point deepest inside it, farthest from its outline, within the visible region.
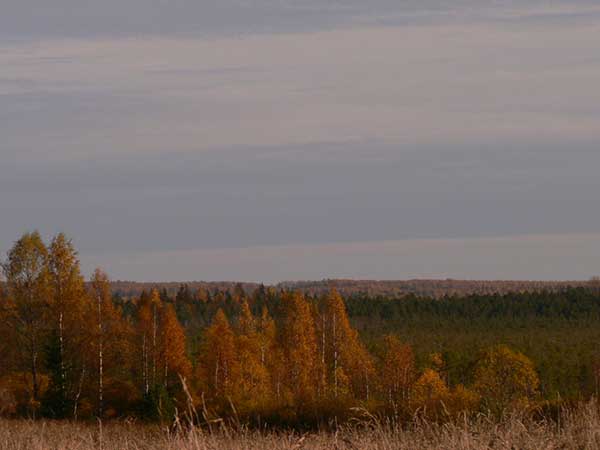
(219, 364)
(299, 346)
(271, 354)
(349, 367)
(172, 353)
(254, 389)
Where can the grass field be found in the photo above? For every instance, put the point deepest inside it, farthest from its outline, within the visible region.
(577, 429)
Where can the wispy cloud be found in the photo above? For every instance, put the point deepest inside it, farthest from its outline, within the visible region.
(35, 19)
(361, 121)
(406, 85)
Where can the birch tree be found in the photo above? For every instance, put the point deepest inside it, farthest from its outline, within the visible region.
(109, 343)
(349, 367)
(67, 310)
(28, 294)
(219, 363)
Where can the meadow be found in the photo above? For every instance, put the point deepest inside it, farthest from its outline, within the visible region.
(578, 428)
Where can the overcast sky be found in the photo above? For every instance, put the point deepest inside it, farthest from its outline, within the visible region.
(268, 140)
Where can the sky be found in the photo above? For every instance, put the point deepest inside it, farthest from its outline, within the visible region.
(270, 140)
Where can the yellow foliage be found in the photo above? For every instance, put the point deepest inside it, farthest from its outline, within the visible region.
(505, 378)
(299, 345)
(172, 346)
(343, 383)
(436, 360)
(428, 389)
(397, 372)
(254, 388)
(219, 368)
(342, 352)
(461, 400)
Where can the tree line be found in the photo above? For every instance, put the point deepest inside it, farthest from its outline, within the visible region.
(73, 349)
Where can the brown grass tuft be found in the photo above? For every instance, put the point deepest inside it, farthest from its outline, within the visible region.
(577, 429)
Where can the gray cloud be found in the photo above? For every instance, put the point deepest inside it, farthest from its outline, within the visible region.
(245, 196)
(388, 121)
(26, 19)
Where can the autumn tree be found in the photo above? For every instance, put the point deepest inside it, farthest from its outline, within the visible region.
(428, 392)
(143, 331)
(6, 345)
(172, 353)
(266, 332)
(219, 364)
(164, 346)
(69, 332)
(461, 400)
(349, 369)
(299, 346)
(109, 341)
(155, 304)
(252, 344)
(147, 337)
(505, 378)
(271, 355)
(397, 372)
(68, 351)
(24, 309)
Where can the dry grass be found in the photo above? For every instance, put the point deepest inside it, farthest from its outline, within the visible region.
(578, 429)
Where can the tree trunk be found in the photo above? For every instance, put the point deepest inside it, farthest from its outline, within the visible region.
(217, 376)
(335, 360)
(166, 372)
(100, 360)
(78, 395)
(34, 378)
(323, 365)
(154, 344)
(61, 342)
(145, 364)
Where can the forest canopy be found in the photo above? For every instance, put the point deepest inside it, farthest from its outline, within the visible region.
(75, 348)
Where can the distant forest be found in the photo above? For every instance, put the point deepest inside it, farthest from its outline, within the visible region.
(419, 287)
(291, 354)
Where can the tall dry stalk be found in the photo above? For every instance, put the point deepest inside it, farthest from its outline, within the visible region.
(578, 429)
